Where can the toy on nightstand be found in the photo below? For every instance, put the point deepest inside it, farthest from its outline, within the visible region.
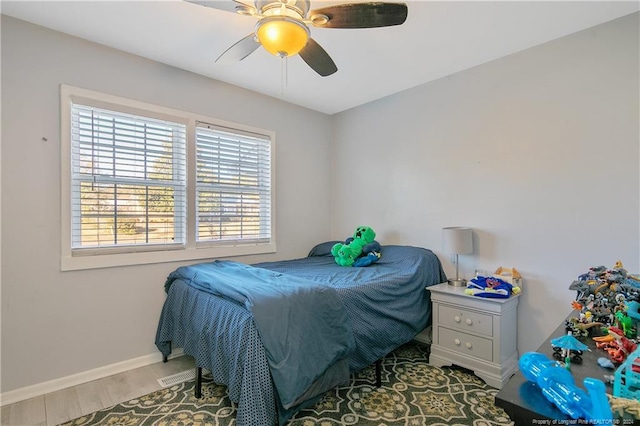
(490, 287)
(558, 386)
(510, 275)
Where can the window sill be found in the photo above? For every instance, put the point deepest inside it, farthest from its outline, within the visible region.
(75, 263)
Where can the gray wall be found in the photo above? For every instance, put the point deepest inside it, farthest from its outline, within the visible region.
(58, 323)
(537, 152)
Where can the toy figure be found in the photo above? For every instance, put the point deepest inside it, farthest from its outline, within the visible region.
(360, 244)
(593, 273)
(605, 363)
(625, 323)
(581, 328)
(566, 346)
(616, 344)
(604, 291)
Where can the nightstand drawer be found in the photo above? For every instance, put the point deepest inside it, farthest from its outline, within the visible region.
(465, 320)
(465, 343)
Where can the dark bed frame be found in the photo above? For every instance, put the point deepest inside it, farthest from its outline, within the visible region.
(198, 388)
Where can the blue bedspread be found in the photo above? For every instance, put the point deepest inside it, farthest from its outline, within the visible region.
(386, 304)
(303, 324)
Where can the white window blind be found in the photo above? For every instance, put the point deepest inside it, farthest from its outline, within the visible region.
(233, 186)
(128, 181)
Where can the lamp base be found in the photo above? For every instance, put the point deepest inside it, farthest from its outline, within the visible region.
(460, 282)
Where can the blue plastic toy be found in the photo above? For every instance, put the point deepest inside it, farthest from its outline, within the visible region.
(633, 310)
(605, 363)
(558, 386)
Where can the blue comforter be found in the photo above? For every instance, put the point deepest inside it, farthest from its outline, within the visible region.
(386, 304)
(303, 325)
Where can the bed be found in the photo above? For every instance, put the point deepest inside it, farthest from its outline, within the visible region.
(381, 307)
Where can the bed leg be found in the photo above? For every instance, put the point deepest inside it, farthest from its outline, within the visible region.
(378, 373)
(198, 388)
(165, 358)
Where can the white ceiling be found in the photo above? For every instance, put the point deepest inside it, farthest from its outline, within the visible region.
(439, 38)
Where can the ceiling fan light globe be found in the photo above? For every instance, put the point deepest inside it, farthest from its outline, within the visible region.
(282, 36)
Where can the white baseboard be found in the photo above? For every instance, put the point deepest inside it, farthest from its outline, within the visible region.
(43, 388)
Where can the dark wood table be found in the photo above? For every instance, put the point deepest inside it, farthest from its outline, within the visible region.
(524, 402)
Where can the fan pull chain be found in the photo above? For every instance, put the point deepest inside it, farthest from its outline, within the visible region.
(284, 81)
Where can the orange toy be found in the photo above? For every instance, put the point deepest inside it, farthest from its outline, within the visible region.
(617, 346)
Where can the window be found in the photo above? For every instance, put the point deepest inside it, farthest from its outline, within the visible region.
(233, 185)
(144, 184)
(128, 180)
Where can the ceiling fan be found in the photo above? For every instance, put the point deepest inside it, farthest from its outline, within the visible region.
(283, 27)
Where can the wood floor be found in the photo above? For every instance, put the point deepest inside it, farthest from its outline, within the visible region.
(67, 404)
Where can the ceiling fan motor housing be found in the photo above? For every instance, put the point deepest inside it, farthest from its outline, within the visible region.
(295, 8)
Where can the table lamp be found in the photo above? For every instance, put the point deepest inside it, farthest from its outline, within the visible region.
(457, 240)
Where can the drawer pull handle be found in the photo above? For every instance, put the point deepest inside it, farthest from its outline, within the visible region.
(457, 342)
(468, 345)
(457, 318)
(468, 321)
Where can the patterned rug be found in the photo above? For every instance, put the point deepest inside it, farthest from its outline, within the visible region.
(412, 393)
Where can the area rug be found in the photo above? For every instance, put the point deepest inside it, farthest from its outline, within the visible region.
(412, 393)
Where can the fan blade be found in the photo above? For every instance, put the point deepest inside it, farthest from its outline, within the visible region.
(239, 51)
(318, 59)
(359, 15)
(229, 6)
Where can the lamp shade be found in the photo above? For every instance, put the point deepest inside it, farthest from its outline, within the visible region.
(457, 240)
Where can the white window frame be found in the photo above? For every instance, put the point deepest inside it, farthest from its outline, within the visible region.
(96, 258)
(242, 156)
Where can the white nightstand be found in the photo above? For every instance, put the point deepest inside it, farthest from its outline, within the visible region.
(476, 333)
